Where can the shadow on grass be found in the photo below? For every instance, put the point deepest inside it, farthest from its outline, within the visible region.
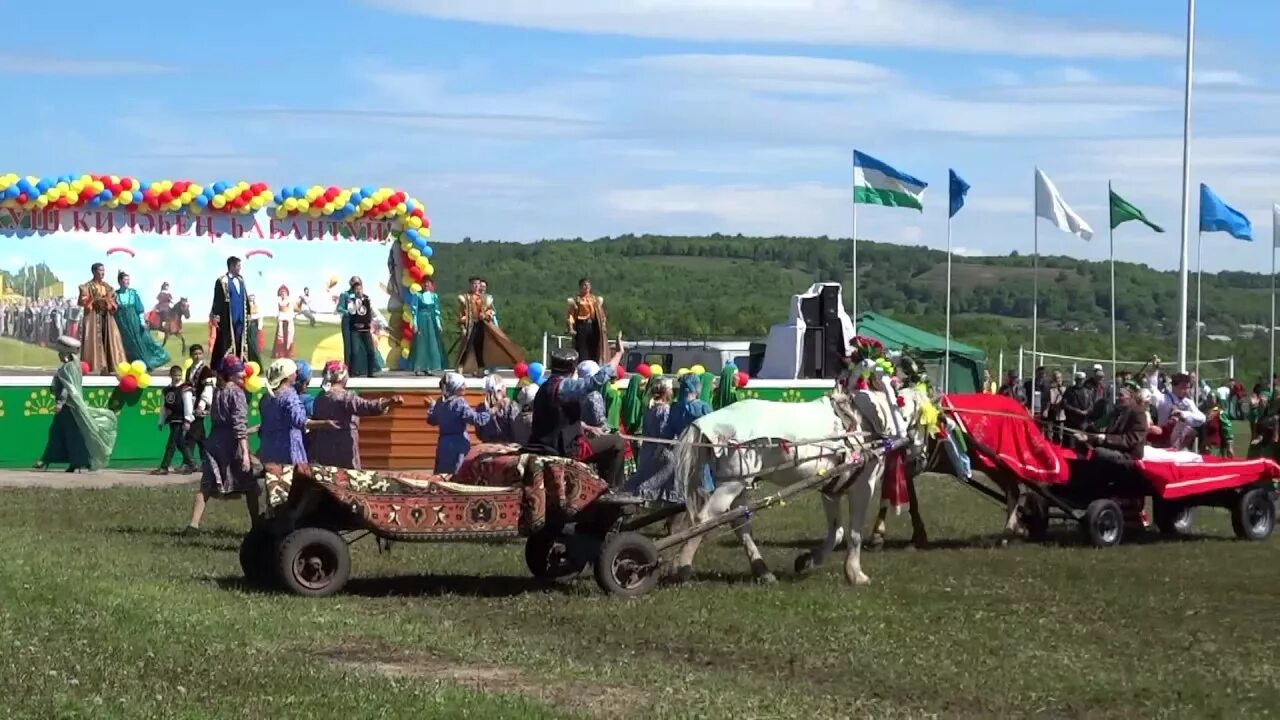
(472, 586)
(176, 533)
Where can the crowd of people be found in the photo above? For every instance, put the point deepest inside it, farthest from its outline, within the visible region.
(38, 322)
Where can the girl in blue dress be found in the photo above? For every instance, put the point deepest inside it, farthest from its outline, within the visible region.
(452, 415)
(137, 341)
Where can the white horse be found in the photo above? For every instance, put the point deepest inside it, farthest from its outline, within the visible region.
(758, 426)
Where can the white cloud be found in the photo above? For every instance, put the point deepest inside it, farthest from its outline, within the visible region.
(1224, 78)
(931, 24)
(799, 209)
(772, 73)
(1072, 75)
(20, 63)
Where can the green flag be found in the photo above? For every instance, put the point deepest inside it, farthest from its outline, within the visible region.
(1124, 211)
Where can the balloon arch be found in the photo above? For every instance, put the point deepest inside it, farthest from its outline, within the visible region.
(406, 222)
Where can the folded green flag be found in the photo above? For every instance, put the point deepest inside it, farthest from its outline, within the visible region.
(1124, 211)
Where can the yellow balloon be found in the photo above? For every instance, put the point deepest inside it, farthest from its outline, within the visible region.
(415, 288)
(414, 254)
(290, 204)
(123, 369)
(421, 262)
(655, 369)
(138, 368)
(429, 269)
(281, 213)
(73, 198)
(219, 202)
(406, 279)
(187, 363)
(698, 370)
(314, 212)
(404, 353)
(682, 371)
(253, 384)
(126, 197)
(255, 367)
(406, 316)
(303, 205)
(144, 381)
(415, 222)
(328, 208)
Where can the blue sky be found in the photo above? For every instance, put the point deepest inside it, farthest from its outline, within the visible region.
(520, 120)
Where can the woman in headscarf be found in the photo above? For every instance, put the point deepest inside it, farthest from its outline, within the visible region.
(591, 405)
(522, 427)
(138, 343)
(726, 388)
(502, 412)
(452, 415)
(336, 441)
(301, 384)
(280, 434)
(684, 411)
(227, 466)
(655, 467)
(83, 437)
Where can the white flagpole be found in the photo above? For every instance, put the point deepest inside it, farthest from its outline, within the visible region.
(1186, 190)
(853, 186)
(946, 354)
(1111, 235)
(1275, 233)
(1035, 281)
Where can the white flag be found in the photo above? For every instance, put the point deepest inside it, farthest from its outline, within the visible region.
(1275, 225)
(1050, 206)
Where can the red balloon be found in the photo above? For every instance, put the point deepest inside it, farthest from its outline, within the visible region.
(622, 373)
(126, 183)
(644, 370)
(84, 368)
(743, 378)
(61, 203)
(22, 198)
(128, 384)
(521, 369)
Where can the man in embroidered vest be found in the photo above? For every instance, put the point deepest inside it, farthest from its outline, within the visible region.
(99, 334)
(586, 321)
(483, 344)
(229, 317)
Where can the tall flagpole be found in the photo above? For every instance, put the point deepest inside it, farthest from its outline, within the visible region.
(1035, 282)
(1186, 189)
(1275, 234)
(946, 354)
(853, 185)
(1111, 235)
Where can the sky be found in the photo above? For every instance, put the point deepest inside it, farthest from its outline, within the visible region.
(520, 120)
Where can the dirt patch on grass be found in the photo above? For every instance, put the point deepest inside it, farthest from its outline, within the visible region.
(593, 699)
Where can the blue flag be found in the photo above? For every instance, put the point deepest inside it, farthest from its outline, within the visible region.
(959, 188)
(1217, 216)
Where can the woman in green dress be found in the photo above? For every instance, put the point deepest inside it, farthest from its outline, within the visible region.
(138, 343)
(80, 436)
(355, 363)
(427, 354)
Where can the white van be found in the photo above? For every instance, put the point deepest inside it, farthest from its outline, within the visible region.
(675, 354)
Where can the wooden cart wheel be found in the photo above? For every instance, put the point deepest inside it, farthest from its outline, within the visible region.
(1254, 516)
(257, 557)
(1103, 524)
(547, 554)
(314, 562)
(1172, 518)
(628, 565)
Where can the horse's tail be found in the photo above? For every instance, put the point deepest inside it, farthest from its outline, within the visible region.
(689, 462)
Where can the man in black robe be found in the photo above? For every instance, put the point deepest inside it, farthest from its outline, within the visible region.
(229, 317)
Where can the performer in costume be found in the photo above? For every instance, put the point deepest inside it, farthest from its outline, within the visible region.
(83, 437)
(483, 344)
(283, 345)
(100, 336)
(229, 318)
(255, 328)
(361, 351)
(586, 321)
(427, 354)
(138, 343)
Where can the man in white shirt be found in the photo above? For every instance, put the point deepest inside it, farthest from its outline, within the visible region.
(1177, 416)
(304, 306)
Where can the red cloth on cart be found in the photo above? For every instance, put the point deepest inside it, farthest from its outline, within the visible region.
(1172, 480)
(1003, 435)
(894, 494)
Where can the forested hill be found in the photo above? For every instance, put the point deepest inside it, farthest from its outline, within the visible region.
(735, 286)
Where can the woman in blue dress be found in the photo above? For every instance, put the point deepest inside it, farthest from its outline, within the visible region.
(452, 415)
(427, 354)
(138, 343)
(284, 419)
(686, 409)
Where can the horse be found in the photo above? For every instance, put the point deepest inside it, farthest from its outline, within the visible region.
(836, 418)
(169, 322)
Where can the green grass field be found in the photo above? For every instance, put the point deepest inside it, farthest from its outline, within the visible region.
(105, 613)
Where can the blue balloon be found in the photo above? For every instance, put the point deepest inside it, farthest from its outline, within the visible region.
(24, 185)
(426, 250)
(409, 205)
(298, 192)
(535, 372)
(201, 200)
(43, 185)
(104, 196)
(348, 210)
(219, 187)
(278, 197)
(367, 191)
(411, 235)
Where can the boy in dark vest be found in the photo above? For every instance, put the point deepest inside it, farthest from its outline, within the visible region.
(178, 414)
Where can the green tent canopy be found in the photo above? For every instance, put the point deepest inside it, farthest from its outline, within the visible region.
(966, 361)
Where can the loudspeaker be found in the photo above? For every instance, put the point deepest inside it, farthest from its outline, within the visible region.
(831, 302)
(812, 354)
(811, 311)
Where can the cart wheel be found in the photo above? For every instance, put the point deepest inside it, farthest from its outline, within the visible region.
(1035, 516)
(1104, 523)
(1254, 516)
(314, 562)
(1171, 518)
(548, 556)
(257, 557)
(628, 565)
